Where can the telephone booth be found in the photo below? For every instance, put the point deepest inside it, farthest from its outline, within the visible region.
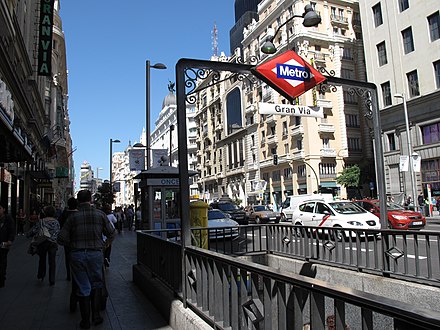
(159, 199)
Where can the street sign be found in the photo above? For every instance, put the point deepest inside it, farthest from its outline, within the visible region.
(290, 110)
(289, 74)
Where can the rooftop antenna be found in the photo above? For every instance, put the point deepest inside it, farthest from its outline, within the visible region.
(214, 40)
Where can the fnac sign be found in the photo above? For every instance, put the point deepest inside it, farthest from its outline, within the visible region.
(289, 74)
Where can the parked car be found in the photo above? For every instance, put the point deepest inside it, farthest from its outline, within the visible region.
(261, 214)
(217, 219)
(237, 213)
(337, 214)
(291, 202)
(398, 216)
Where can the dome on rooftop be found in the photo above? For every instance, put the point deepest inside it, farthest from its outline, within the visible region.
(169, 100)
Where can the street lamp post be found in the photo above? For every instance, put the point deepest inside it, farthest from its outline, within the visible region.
(171, 142)
(410, 150)
(111, 163)
(310, 18)
(97, 172)
(147, 105)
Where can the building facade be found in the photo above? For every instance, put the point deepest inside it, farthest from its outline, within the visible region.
(35, 143)
(403, 59)
(256, 158)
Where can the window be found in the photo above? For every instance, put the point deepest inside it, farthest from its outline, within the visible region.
(382, 53)
(349, 98)
(386, 93)
(437, 73)
(408, 42)
(276, 175)
(346, 73)
(377, 15)
(434, 26)
(346, 54)
(287, 173)
(299, 144)
(301, 170)
(285, 131)
(430, 133)
(391, 142)
(354, 144)
(403, 5)
(352, 120)
(413, 83)
(297, 120)
(326, 143)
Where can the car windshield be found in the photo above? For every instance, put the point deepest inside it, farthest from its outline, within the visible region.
(346, 207)
(259, 208)
(391, 206)
(215, 214)
(228, 207)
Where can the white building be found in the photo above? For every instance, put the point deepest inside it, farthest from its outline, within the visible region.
(402, 56)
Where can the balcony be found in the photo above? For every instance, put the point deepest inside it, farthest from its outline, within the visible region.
(267, 96)
(328, 152)
(326, 128)
(319, 57)
(298, 155)
(272, 139)
(324, 103)
(250, 108)
(338, 19)
(297, 130)
(270, 119)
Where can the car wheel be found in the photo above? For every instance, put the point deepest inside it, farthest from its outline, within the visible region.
(257, 220)
(283, 217)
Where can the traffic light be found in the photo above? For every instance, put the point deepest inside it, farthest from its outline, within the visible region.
(275, 159)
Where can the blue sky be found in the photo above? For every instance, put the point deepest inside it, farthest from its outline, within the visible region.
(108, 42)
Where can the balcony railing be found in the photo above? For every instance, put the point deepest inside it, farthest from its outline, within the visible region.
(326, 128)
(297, 130)
(328, 152)
(272, 139)
(339, 19)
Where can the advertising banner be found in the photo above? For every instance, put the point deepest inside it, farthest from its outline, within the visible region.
(136, 159)
(160, 157)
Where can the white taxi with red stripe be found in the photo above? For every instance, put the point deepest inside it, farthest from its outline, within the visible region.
(342, 213)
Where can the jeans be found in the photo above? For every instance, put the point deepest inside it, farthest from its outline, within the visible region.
(48, 249)
(86, 268)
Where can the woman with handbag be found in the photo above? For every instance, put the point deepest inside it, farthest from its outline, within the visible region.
(46, 231)
(7, 230)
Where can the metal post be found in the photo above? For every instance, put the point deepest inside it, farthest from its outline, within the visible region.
(111, 164)
(410, 150)
(147, 112)
(171, 143)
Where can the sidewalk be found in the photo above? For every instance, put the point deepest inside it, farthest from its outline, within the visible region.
(28, 303)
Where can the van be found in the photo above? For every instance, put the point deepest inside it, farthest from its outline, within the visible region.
(291, 202)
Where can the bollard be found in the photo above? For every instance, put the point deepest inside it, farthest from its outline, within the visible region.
(198, 217)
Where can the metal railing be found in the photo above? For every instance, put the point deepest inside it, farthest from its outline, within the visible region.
(229, 292)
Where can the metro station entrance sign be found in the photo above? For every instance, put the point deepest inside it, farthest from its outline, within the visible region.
(289, 74)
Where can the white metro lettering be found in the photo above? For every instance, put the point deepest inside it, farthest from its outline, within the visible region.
(293, 72)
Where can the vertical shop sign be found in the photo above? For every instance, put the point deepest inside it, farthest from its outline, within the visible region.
(45, 38)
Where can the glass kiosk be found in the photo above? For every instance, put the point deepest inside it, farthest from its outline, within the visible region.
(160, 196)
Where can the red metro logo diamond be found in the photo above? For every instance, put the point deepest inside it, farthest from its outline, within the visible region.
(289, 74)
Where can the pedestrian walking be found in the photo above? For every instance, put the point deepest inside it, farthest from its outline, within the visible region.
(108, 246)
(33, 218)
(7, 230)
(83, 232)
(421, 201)
(47, 250)
(72, 205)
(21, 221)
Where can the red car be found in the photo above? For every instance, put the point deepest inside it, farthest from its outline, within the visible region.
(398, 217)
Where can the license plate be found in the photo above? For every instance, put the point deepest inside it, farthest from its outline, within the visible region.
(273, 218)
(416, 223)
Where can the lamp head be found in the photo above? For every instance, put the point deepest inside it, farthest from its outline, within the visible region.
(116, 141)
(268, 47)
(138, 145)
(159, 66)
(311, 18)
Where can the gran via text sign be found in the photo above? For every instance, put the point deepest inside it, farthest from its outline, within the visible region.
(45, 38)
(290, 110)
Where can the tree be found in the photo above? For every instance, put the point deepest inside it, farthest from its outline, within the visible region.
(104, 196)
(350, 177)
